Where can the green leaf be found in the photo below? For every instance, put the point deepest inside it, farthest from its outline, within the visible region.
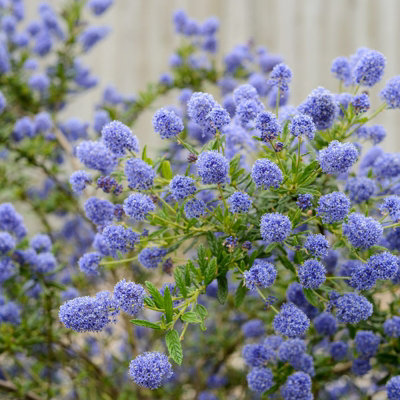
(312, 297)
(147, 324)
(202, 259)
(210, 272)
(168, 306)
(174, 346)
(166, 170)
(286, 263)
(240, 294)
(191, 317)
(180, 281)
(222, 292)
(155, 294)
(201, 311)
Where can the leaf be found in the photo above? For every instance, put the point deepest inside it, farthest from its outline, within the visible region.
(147, 324)
(174, 346)
(201, 311)
(168, 306)
(191, 317)
(222, 292)
(286, 263)
(240, 294)
(149, 302)
(311, 297)
(202, 259)
(155, 294)
(180, 281)
(210, 272)
(166, 170)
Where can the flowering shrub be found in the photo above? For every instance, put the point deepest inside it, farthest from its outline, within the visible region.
(255, 256)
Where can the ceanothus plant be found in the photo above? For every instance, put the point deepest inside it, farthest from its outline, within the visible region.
(270, 207)
(261, 223)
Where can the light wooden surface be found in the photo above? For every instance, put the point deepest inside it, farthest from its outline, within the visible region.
(307, 33)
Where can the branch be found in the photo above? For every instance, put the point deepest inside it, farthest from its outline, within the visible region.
(8, 386)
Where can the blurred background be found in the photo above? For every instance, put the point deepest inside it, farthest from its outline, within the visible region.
(308, 34)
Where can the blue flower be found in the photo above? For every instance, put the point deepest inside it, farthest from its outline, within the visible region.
(92, 35)
(11, 221)
(87, 314)
(239, 202)
(367, 343)
(360, 366)
(391, 327)
(118, 138)
(291, 321)
(360, 189)
(280, 77)
(266, 174)
(167, 123)
(337, 157)
(130, 296)
(212, 167)
(260, 379)
(302, 125)
(199, 106)
(138, 205)
(341, 69)
(182, 187)
(391, 92)
(118, 238)
(363, 277)
(312, 274)
(384, 264)
(257, 355)
(253, 328)
(291, 350)
(362, 232)
(150, 370)
(139, 174)
(95, 155)
(351, 308)
(391, 204)
(7, 243)
(261, 275)
(10, 313)
(7, 268)
(101, 118)
(98, 7)
(316, 245)
(100, 212)
(268, 126)
(338, 350)
(321, 106)
(275, 227)
(195, 208)
(23, 128)
(245, 92)
(393, 388)
(89, 263)
(79, 180)
(41, 243)
(325, 324)
(369, 69)
(304, 201)
(247, 111)
(151, 257)
(333, 207)
(360, 103)
(297, 387)
(45, 263)
(3, 102)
